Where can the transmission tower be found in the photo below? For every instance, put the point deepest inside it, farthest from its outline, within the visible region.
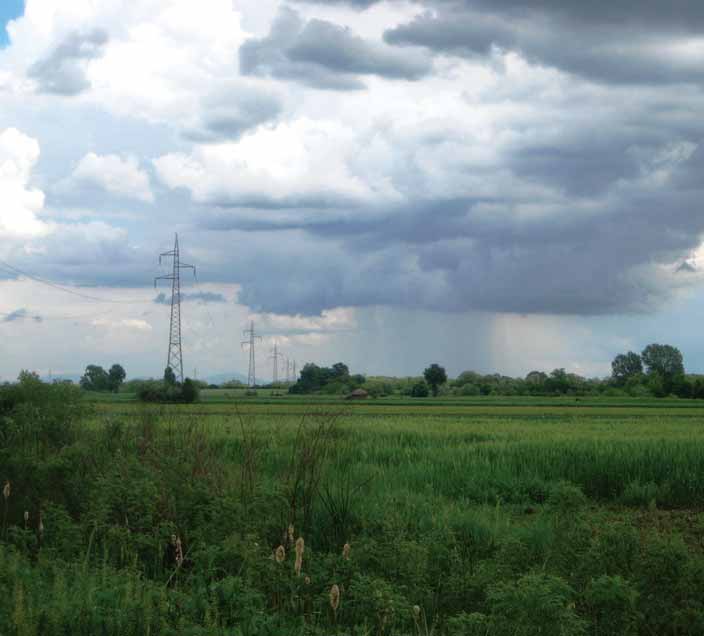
(275, 355)
(174, 360)
(252, 337)
(294, 372)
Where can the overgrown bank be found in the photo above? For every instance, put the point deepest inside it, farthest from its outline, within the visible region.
(165, 524)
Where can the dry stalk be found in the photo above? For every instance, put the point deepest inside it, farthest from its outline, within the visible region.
(6, 495)
(300, 548)
(334, 600)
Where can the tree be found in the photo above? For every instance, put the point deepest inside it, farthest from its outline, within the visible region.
(95, 378)
(626, 366)
(340, 370)
(420, 390)
(435, 376)
(557, 382)
(190, 391)
(169, 377)
(666, 362)
(116, 376)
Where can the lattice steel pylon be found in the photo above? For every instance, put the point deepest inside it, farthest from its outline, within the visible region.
(250, 342)
(174, 360)
(275, 355)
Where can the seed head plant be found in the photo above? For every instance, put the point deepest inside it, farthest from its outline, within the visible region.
(346, 549)
(300, 547)
(280, 554)
(335, 598)
(6, 496)
(179, 552)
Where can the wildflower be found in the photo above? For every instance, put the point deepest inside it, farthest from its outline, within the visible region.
(6, 490)
(307, 580)
(41, 525)
(334, 598)
(26, 518)
(346, 551)
(416, 614)
(290, 534)
(300, 547)
(280, 554)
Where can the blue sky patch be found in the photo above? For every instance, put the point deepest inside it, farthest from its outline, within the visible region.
(9, 10)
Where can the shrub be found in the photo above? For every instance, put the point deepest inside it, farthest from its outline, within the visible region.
(162, 392)
(190, 391)
(420, 390)
(536, 604)
(32, 410)
(612, 605)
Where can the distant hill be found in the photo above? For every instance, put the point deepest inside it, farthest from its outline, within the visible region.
(220, 378)
(74, 377)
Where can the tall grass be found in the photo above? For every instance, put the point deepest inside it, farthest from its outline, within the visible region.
(172, 523)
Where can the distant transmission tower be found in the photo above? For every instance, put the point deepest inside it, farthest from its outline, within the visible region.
(174, 360)
(294, 372)
(275, 355)
(252, 337)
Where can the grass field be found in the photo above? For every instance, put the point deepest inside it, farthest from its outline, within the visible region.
(480, 516)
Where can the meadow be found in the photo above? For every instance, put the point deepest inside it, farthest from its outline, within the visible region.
(278, 515)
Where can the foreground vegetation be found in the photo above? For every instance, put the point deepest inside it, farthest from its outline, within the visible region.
(121, 518)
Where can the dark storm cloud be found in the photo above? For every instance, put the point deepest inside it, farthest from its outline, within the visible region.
(325, 55)
(619, 208)
(230, 112)
(62, 72)
(674, 14)
(201, 297)
(609, 42)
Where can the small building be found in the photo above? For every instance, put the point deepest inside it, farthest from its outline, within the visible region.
(358, 394)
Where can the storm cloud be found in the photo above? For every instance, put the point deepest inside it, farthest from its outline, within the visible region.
(325, 55)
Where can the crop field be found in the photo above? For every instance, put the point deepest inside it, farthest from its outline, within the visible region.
(446, 517)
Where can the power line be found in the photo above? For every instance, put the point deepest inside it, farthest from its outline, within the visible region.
(41, 318)
(43, 281)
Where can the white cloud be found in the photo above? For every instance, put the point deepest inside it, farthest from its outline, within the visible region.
(127, 323)
(20, 202)
(303, 163)
(117, 175)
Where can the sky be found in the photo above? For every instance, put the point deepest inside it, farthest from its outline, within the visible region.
(490, 185)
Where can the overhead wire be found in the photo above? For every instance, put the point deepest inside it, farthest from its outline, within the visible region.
(41, 318)
(44, 281)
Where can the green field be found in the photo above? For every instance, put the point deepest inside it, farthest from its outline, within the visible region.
(463, 516)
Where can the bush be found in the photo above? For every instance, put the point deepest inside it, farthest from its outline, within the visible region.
(536, 604)
(32, 410)
(161, 392)
(612, 604)
(190, 392)
(420, 390)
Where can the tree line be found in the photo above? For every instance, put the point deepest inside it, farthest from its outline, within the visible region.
(657, 371)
